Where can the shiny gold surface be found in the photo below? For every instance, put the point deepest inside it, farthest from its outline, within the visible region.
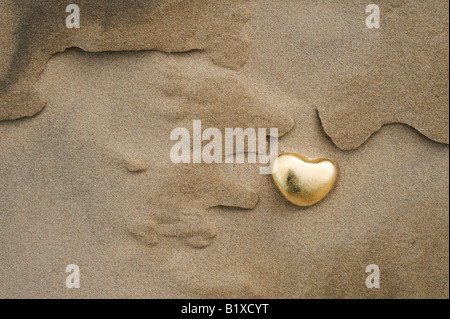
(301, 180)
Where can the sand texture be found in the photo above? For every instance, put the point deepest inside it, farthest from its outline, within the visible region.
(358, 79)
(35, 30)
(85, 170)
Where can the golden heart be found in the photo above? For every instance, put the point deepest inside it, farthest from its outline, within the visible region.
(301, 180)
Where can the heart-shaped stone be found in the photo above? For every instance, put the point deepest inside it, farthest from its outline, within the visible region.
(301, 180)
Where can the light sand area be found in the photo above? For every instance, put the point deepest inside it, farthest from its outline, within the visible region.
(89, 181)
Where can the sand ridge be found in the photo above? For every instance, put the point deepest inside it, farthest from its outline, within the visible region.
(36, 30)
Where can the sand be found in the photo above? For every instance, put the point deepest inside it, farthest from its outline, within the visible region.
(87, 179)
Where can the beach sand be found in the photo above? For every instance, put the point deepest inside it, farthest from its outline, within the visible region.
(88, 179)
